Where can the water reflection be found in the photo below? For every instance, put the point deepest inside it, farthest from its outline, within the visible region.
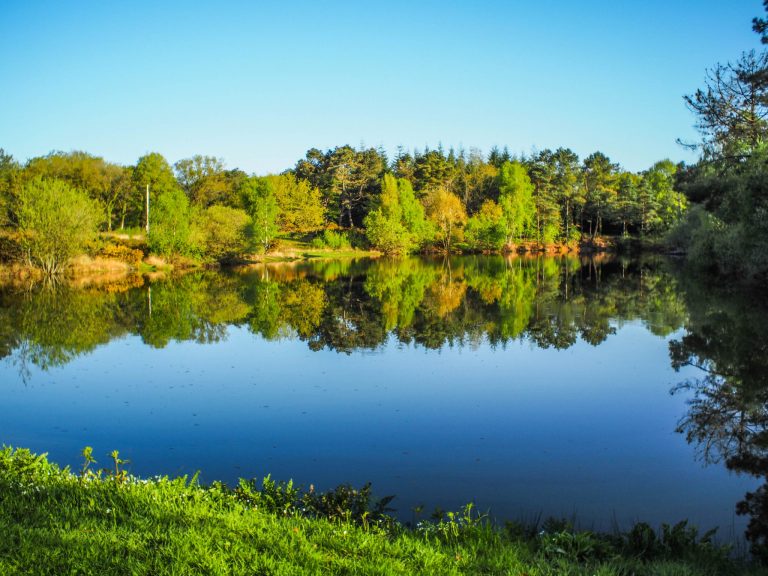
(349, 306)
(727, 419)
(352, 305)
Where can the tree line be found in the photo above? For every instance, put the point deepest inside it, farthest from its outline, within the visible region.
(422, 200)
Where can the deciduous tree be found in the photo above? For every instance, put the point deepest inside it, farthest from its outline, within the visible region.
(170, 233)
(56, 221)
(516, 200)
(301, 208)
(260, 203)
(447, 212)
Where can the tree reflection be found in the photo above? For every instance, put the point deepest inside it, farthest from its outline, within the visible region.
(52, 325)
(352, 305)
(727, 417)
(432, 303)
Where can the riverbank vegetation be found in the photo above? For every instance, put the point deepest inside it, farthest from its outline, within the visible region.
(726, 231)
(197, 211)
(56, 521)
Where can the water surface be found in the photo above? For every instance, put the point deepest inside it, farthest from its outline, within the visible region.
(533, 387)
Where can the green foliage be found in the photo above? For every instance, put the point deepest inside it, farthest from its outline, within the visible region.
(674, 541)
(453, 527)
(224, 233)
(661, 206)
(574, 546)
(9, 175)
(55, 221)
(88, 459)
(342, 504)
(383, 225)
(414, 217)
(516, 201)
(106, 183)
(547, 219)
(397, 225)
(730, 232)
(332, 239)
(433, 170)
(55, 522)
(732, 110)
(487, 229)
(730, 178)
(170, 232)
(386, 234)
(118, 473)
(697, 235)
(546, 198)
(347, 178)
(300, 203)
(447, 213)
(260, 203)
(600, 183)
(154, 171)
(205, 181)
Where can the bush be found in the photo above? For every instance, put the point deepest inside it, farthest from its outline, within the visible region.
(333, 240)
(122, 253)
(224, 233)
(56, 222)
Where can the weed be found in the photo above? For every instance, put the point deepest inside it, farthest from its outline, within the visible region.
(88, 459)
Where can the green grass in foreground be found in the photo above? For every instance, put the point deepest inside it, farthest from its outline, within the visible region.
(53, 521)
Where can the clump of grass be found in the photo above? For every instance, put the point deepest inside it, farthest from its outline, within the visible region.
(55, 521)
(332, 239)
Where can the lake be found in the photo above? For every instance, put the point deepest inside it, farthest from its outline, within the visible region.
(607, 391)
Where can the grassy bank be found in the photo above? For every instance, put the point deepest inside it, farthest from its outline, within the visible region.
(54, 521)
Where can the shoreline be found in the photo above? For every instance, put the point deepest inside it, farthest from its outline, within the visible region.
(109, 522)
(94, 270)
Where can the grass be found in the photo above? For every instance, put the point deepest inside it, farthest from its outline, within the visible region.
(54, 521)
(293, 247)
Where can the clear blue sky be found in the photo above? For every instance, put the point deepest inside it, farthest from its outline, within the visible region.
(258, 83)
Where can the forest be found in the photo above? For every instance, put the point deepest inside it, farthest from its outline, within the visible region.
(53, 207)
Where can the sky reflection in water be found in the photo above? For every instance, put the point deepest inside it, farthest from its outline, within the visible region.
(437, 398)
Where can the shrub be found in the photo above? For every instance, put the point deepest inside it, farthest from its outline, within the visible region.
(224, 233)
(56, 222)
(122, 253)
(331, 239)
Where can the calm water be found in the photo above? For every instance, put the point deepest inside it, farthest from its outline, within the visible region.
(529, 386)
